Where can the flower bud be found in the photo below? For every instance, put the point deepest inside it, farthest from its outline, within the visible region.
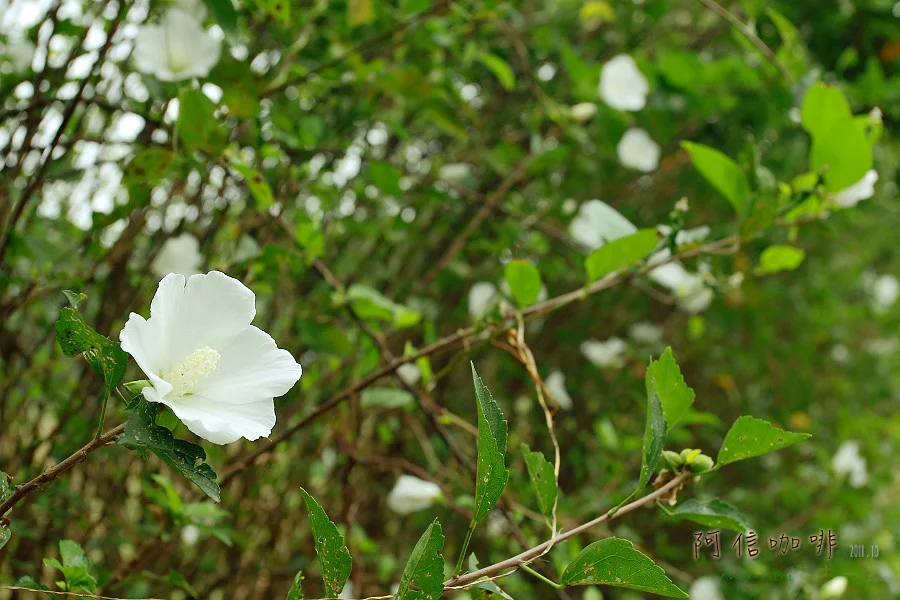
(701, 463)
(673, 458)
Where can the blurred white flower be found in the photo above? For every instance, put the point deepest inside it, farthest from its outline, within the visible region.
(622, 85)
(195, 8)
(885, 291)
(638, 151)
(455, 172)
(20, 53)
(583, 111)
(176, 48)
(409, 373)
(861, 190)
(692, 236)
(190, 534)
(646, 333)
(608, 354)
(693, 296)
(840, 353)
(848, 462)
(347, 591)
(597, 223)
(834, 588)
(411, 494)
(705, 588)
(556, 385)
(481, 298)
(218, 373)
(496, 525)
(881, 346)
(179, 255)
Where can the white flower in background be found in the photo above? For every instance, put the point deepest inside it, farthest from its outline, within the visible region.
(481, 298)
(881, 346)
(455, 172)
(195, 8)
(583, 111)
(411, 494)
(840, 353)
(218, 373)
(176, 48)
(347, 591)
(597, 223)
(179, 255)
(622, 85)
(646, 333)
(693, 296)
(848, 462)
(496, 525)
(638, 151)
(20, 53)
(834, 588)
(608, 354)
(705, 588)
(885, 291)
(556, 385)
(691, 236)
(861, 190)
(190, 534)
(410, 373)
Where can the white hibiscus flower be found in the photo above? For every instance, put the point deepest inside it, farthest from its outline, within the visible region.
(608, 354)
(638, 151)
(646, 333)
(482, 297)
(705, 588)
(848, 462)
(835, 587)
(410, 373)
(583, 111)
(622, 85)
(861, 190)
(556, 385)
(218, 373)
(885, 291)
(180, 255)
(597, 223)
(20, 53)
(411, 494)
(176, 48)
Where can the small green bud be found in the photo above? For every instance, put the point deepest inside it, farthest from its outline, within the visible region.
(688, 454)
(674, 459)
(135, 388)
(701, 463)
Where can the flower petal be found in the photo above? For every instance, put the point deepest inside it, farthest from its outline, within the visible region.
(150, 52)
(144, 345)
(224, 423)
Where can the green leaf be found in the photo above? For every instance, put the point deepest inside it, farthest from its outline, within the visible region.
(5, 534)
(141, 433)
(258, 186)
(620, 253)
(280, 10)
(665, 380)
(723, 173)
(779, 258)
(543, 481)
(224, 14)
(500, 68)
(425, 568)
(713, 513)
(654, 437)
(150, 165)
(615, 562)
(6, 490)
(823, 106)
(197, 125)
(524, 281)
(386, 177)
(360, 12)
(386, 398)
(492, 474)
(75, 567)
(105, 356)
(372, 304)
(750, 437)
(489, 586)
(296, 591)
(27, 581)
(333, 554)
(843, 153)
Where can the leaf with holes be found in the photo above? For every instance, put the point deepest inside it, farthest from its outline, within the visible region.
(333, 554)
(425, 568)
(543, 481)
(492, 474)
(620, 253)
(750, 437)
(615, 562)
(664, 378)
(714, 513)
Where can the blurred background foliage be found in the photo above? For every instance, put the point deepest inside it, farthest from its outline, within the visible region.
(331, 158)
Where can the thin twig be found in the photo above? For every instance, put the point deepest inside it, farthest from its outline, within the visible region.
(78, 594)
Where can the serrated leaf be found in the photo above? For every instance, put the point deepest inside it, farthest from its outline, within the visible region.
(615, 562)
(713, 513)
(779, 258)
(500, 68)
(386, 398)
(524, 281)
(750, 437)
(333, 554)
(425, 568)
(142, 433)
(723, 173)
(620, 253)
(492, 474)
(543, 481)
(105, 356)
(654, 437)
(665, 379)
(258, 186)
(296, 591)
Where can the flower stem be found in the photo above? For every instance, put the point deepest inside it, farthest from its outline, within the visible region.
(102, 415)
(465, 546)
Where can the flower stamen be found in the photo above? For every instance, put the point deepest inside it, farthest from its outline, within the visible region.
(185, 376)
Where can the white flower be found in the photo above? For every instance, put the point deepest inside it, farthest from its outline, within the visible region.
(881, 346)
(410, 373)
(848, 462)
(691, 236)
(190, 534)
(218, 373)
(455, 172)
(180, 255)
(481, 298)
(195, 8)
(556, 385)
(597, 223)
(177, 48)
(861, 190)
(834, 588)
(885, 291)
(622, 85)
(705, 588)
(693, 296)
(347, 591)
(20, 53)
(411, 494)
(496, 525)
(610, 353)
(646, 333)
(638, 151)
(583, 111)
